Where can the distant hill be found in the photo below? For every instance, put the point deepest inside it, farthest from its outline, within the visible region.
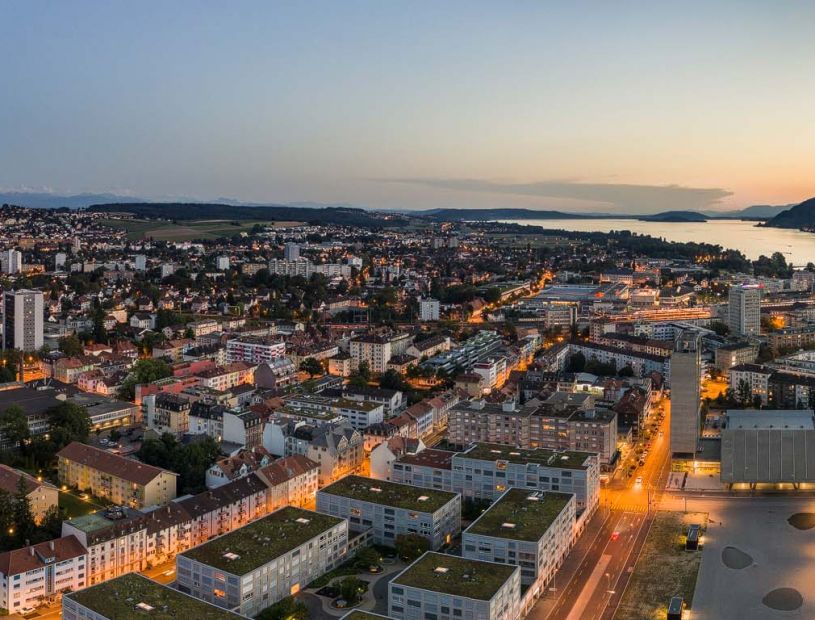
(800, 216)
(209, 211)
(45, 200)
(755, 212)
(459, 215)
(674, 216)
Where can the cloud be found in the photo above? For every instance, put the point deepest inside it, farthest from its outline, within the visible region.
(620, 197)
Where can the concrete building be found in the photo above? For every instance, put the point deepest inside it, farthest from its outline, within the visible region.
(121, 480)
(254, 349)
(38, 574)
(135, 596)
(12, 261)
(167, 413)
(731, 355)
(744, 310)
(377, 351)
(361, 413)
(755, 376)
(768, 447)
(291, 251)
(222, 263)
(429, 309)
(23, 320)
(530, 529)
(446, 586)
(259, 564)
(140, 262)
(686, 369)
(391, 509)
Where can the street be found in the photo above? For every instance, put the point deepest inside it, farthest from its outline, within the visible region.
(595, 588)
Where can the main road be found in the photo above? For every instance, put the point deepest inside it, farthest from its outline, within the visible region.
(594, 589)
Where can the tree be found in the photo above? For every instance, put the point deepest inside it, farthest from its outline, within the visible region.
(144, 371)
(351, 589)
(367, 557)
(392, 380)
(745, 394)
(626, 371)
(67, 422)
(70, 345)
(14, 425)
(23, 519)
(410, 546)
(576, 363)
(190, 461)
(312, 366)
(287, 609)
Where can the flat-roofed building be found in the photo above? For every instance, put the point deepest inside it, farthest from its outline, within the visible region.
(768, 447)
(391, 509)
(429, 469)
(531, 529)
(122, 480)
(135, 596)
(259, 564)
(447, 586)
(485, 471)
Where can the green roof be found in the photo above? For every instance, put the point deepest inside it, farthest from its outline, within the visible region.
(450, 574)
(516, 516)
(390, 494)
(362, 615)
(119, 599)
(495, 452)
(243, 550)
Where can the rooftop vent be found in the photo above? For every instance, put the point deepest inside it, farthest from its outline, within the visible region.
(231, 556)
(144, 607)
(376, 489)
(440, 569)
(303, 520)
(509, 526)
(423, 498)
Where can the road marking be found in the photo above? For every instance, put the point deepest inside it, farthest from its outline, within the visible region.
(588, 589)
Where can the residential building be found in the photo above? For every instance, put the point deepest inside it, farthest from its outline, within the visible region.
(41, 495)
(533, 530)
(377, 351)
(23, 320)
(39, 574)
(447, 586)
(686, 369)
(744, 310)
(391, 509)
(168, 413)
(253, 567)
(12, 261)
(222, 263)
(240, 465)
(429, 309)
(291, 251)
(361, 413)
(254, 349)
(735, 354)
(121, 480)
(756, 377)
(134, 596)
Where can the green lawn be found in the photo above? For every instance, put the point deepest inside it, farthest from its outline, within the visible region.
(75, 507)
(664, 568)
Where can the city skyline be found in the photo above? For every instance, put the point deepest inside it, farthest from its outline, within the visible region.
(628, 108)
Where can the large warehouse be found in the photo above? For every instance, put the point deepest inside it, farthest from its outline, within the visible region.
(773, 447)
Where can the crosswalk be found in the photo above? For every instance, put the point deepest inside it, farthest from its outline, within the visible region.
(629, 507)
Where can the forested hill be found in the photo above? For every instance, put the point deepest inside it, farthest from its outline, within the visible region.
(205, 211)
(799, 216)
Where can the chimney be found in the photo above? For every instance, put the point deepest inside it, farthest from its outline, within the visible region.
(51, 544)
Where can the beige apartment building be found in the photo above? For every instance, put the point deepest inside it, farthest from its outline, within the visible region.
(121, 480)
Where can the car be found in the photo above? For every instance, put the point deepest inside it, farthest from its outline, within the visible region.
(615, 536)
(84, 496)
(638, 481)
(661, 434)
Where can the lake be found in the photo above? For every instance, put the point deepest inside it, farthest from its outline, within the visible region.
(798, 247)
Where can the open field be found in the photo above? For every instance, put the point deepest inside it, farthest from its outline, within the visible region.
(185, 231)
(664, 568)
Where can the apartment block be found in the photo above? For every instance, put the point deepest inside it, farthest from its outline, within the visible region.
(38, 573)
(41, 495)
(254, 349)
(531, 529)
(135, 596)
(121, 480)
(391, 509)
(255, 566)
(447, 587)
(360, 413)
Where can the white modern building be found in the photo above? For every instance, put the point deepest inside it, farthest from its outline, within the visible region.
(23, 320)
(252, 568)
(391, 509)
(445, 586)
(429, 310)
(531, 529)
(254, 349)
(744, 310)
(222, 263)
(12, 261)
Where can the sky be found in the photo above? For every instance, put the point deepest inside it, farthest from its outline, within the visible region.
(579, 106)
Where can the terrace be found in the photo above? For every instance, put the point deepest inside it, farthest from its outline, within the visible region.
(243, 550)
(521, 515)
(457, 576)
(390, 494)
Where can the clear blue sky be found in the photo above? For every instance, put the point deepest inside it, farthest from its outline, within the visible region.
(414, 104)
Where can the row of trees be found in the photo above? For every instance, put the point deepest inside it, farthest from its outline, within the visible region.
(190, 461)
